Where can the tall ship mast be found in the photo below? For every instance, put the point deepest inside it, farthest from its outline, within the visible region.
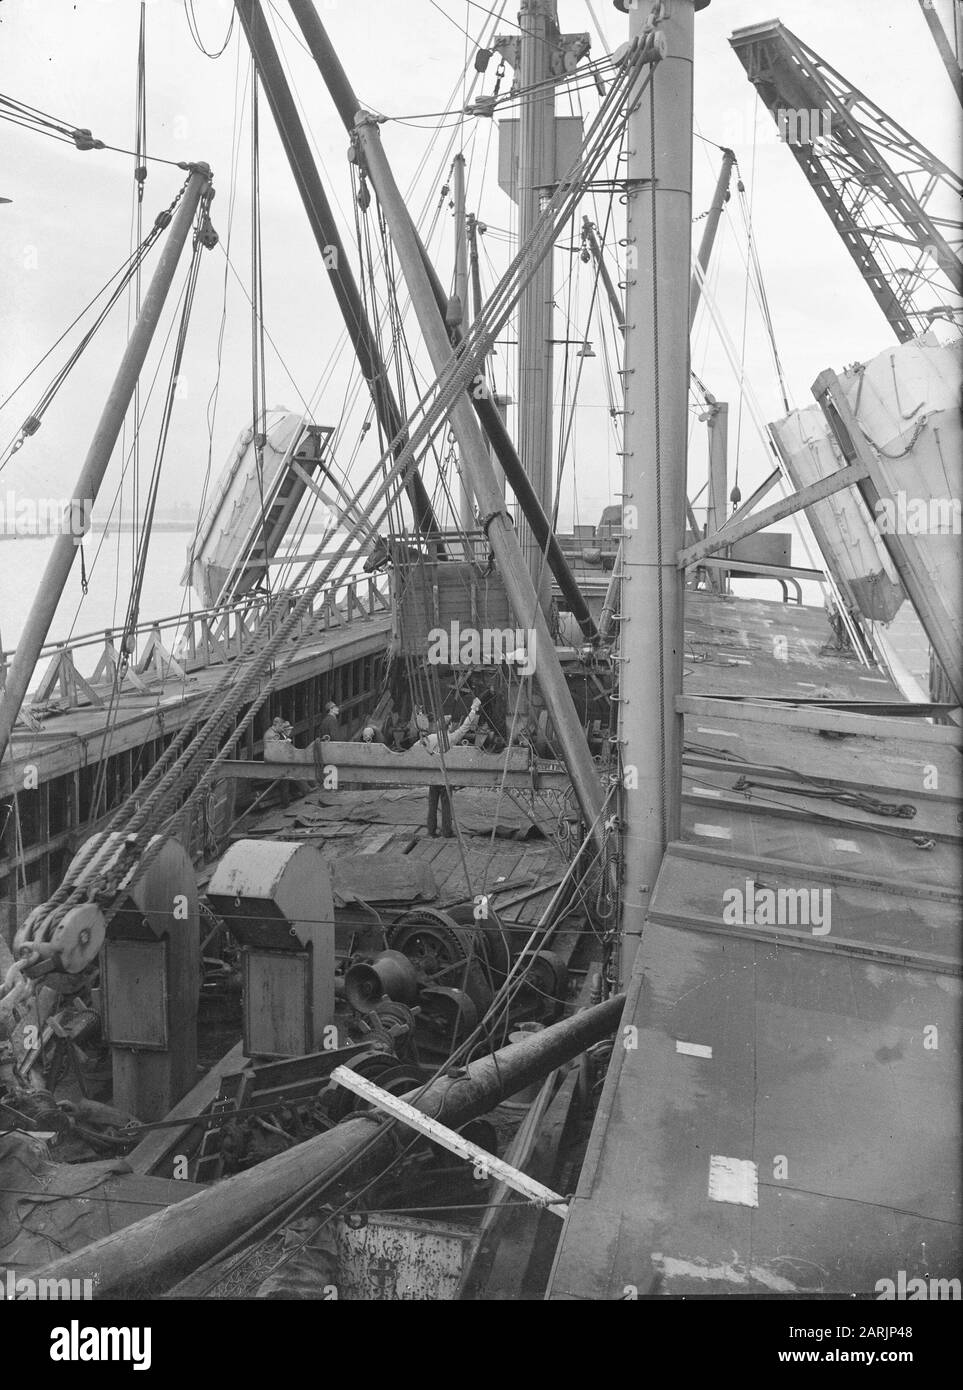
(526, 866)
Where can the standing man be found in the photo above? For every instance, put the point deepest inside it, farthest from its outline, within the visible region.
(330, 725)
(438, 794)
(278, 747)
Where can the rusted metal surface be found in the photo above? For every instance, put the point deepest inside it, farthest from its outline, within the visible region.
(395, 1258)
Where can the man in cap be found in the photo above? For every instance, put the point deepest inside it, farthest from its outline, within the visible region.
(279, 733)
(330, 724)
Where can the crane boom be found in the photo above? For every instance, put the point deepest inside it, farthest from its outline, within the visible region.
(893, 202)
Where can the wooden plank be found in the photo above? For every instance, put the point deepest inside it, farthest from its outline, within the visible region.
(380, 766)
(818, 717)
(747, 526)
(909, 785)
(536, 1192)
(804, 941)
(753, 863)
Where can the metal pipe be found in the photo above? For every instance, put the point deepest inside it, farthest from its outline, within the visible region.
(659, 231)
(474, 272)
(475, 458)
(476, 291)
(460, 314)
(611, 602)
(457, 316)
(590, 236)
(719, 200)
(153, 1253)
(67, 543)
(718, 423)
(334, 256)
(538, 25)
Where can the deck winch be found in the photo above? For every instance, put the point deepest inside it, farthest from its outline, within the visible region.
(275, 897)
(151, 981)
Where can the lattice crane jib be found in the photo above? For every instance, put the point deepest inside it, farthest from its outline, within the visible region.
(893, 202)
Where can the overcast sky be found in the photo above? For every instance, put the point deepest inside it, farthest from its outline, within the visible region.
(69, 224)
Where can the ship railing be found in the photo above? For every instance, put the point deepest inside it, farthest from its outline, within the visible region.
(83, 669)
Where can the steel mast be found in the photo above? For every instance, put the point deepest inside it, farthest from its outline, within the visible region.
(540, 55)
(458, 310)
(538, 21)
(659, 270)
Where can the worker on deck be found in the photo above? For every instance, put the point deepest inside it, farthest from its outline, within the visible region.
(278, 746)
(330, 724)
(439, 794)
(278, 733)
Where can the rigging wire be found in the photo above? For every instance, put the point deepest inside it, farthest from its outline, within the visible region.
(745, 322)
(131, 266)
(760, 286)
(140, 176)
(249, 682)
(17, 113)
(144, 537)
(258, 378)
(196, 35)
(87, 307)
(240, 101)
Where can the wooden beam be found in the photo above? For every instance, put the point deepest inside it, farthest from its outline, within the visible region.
(753, 500)
(754, 864)
(374, 763)
(883, 790)
(839, 946)
(819, 716)
(736, 530)
(455, 1143)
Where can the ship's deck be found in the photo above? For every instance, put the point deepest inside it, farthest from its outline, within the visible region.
(784, 1117)
(505, 853)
